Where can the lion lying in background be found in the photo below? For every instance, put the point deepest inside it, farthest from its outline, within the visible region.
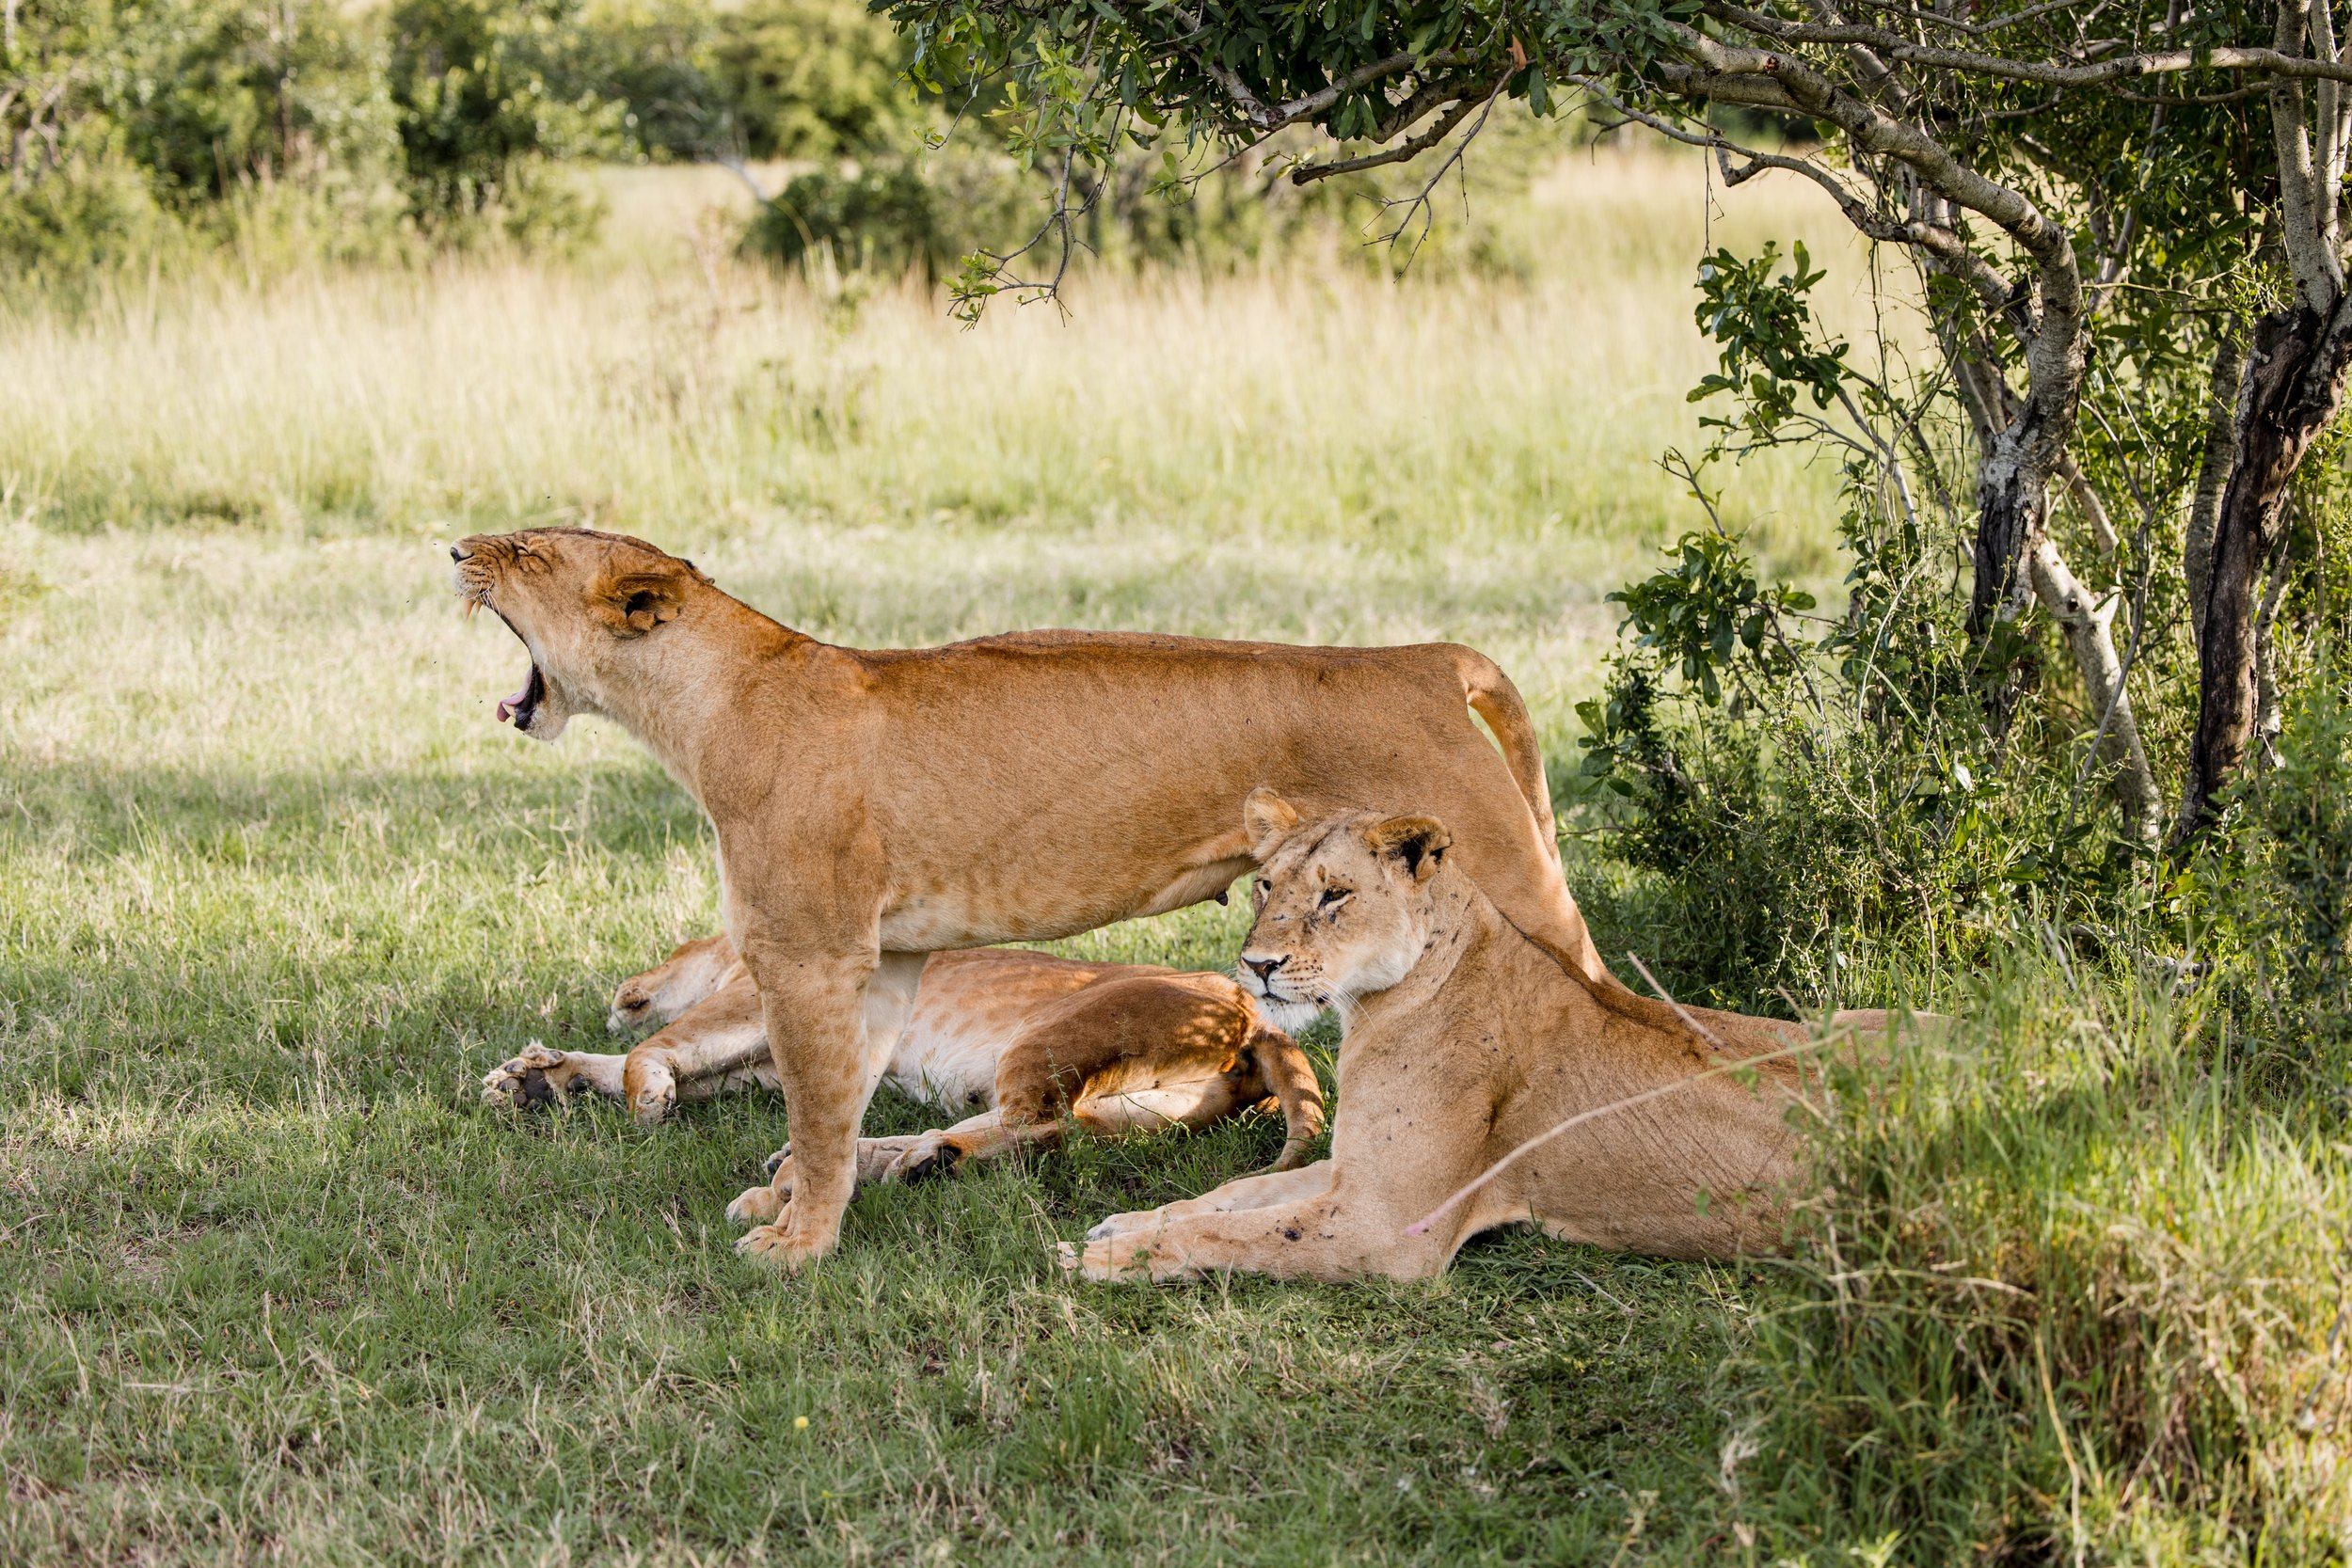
(1023, 1040)
(1465, 1040)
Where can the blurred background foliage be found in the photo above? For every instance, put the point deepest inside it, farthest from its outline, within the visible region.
(303, 130)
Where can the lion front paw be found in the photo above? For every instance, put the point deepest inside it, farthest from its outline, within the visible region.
(757, 1205)
(1120, 1258)
(652, 1093)
(539, 1076)
(932, 1155)
(1120, 1224)
(782, 1246)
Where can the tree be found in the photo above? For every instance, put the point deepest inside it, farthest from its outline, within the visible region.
(2078, 187)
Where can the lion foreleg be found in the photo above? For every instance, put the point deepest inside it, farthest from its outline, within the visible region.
(1246, 1192)
(888, 1007)
(815, 1025)
(1335, 1235)
(815, 1002)
(712, 1047)
(541, 1074)
(663, 993)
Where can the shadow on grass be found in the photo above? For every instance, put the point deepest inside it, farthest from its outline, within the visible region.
(86, 811)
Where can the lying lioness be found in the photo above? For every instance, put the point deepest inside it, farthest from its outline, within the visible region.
(1022, 1038)
(1463, 1042)
(874, 807)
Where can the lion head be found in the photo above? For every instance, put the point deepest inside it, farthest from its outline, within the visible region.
(1341, 907)
(577, 598)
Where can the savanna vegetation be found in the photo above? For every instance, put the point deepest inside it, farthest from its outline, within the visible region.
(1977, 645)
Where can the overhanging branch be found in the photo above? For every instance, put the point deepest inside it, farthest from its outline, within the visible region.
(2116, 67)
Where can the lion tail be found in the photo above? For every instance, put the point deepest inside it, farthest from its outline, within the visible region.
(1493, 698)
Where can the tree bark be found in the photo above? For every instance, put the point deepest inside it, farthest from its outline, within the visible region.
(2090, 628)
(2212, 473)
(2012, 494)
(2293, 385)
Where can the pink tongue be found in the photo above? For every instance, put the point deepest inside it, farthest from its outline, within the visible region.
(508, 704)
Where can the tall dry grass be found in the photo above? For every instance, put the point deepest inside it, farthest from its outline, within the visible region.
(1309, 450)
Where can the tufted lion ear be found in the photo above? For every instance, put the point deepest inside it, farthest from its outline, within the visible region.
(1267, 818)
(1418, 842)
(631, 603)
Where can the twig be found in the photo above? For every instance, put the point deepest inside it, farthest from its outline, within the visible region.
(2101, 72)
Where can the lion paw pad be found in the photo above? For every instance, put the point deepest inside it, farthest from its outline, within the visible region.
(538, 1076)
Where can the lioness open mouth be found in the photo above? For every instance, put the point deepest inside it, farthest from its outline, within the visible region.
(524, 705)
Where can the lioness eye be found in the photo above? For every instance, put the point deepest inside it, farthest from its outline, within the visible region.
(1258, 892)
(1332, 897)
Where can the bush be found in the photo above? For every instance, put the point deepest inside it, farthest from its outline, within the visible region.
(891, 217)
(770, 79)
(2271, 896)
(1805, 792)
(127, 131)
(2070, 1296)
(487, 93)
(89, 213)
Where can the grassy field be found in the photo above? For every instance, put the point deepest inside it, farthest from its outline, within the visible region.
(274, 892)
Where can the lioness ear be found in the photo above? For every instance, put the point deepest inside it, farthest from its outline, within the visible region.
(633, 603)
(1418, 842)
(1267, 818)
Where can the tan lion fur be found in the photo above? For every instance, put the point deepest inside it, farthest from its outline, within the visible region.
(874, 807)
(1023, 1042)
(1463, 1042)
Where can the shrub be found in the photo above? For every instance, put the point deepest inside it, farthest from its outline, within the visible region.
(2069, 1296)
(487, 92)
(768, 79)
(1805, 792)
(889, 217)
(2272, 898)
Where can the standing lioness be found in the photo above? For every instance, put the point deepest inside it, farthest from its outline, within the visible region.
(874, 807)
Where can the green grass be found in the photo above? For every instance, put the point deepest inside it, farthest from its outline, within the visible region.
(274, 892)
(278, 892)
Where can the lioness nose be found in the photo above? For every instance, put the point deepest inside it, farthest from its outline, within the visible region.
(1264, 968)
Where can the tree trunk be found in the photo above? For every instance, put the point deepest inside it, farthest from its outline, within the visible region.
(2012, 494)
(2294, 383)
(2213, 473)
(2090, 628)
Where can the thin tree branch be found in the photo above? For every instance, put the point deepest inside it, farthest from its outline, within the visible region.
(2284, 60)
(1307, 174)
(1256, 111)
